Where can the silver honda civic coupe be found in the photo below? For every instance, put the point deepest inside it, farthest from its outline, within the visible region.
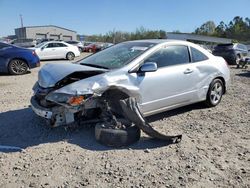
(160, 74)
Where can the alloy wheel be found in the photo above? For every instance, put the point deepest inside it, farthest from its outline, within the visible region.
(216, 93)
(18, 66)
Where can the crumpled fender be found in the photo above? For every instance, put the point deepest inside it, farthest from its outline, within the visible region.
(131, 112)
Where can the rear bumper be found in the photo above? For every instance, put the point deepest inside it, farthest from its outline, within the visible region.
(229, 57)
(34, 63)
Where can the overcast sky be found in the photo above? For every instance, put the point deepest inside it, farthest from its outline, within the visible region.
(101, 16)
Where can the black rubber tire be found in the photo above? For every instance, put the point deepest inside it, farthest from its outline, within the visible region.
(116, 137)
(209, 101)
(80, 49)
(237, 61)
(18, 67)
(70, 56)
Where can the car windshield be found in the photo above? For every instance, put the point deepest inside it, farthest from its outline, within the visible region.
(118, 55)
(40, 45)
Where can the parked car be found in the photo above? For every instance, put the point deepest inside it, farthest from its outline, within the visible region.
(92, 48)
(86, 43)
(160, 74)
(44, 40)
(232, 53)
(26, 43)
(56, 50)
(16, 60)
(206, 48)
(76, 43)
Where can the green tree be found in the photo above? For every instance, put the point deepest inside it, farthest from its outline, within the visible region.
(207, 28)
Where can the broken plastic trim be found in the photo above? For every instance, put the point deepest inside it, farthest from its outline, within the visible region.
(131, 111)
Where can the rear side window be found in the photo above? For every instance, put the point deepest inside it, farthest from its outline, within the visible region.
(197, 55)
(171, 55)
(55, 45)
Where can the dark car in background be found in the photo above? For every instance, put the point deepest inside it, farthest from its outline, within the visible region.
(39, 41)
(16, 60)
(26, 43)
(233, 53)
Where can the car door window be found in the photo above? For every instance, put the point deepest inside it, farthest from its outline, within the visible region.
(60, 45)
(197, 55)
(50, 45)
(171, 55)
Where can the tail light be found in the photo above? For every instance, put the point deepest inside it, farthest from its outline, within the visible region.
(34, 53)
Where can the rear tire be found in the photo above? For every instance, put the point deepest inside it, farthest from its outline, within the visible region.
(80, 49)
(18, 67)
(237, 61)
(215, 92)
(70, 56)
(116, 137)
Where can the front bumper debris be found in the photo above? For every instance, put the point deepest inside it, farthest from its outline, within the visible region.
(56, 116)
(40, 111)
(131, 112)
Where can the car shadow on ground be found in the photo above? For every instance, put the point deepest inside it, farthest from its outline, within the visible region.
(8, 74)
(246, 73)
(22, 128)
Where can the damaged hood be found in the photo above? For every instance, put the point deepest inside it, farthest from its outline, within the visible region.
(50, 74)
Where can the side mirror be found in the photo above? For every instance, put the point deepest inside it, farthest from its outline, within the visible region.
(148, 67)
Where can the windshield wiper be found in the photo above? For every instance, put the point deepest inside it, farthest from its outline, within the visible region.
(93, 65)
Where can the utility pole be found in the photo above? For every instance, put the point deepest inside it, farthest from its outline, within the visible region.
(21, 18)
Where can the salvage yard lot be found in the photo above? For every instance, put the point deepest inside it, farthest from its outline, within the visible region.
(215, 150)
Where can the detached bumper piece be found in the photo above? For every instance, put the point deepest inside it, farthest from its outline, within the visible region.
(132, 113)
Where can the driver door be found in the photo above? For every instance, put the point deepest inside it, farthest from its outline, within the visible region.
(172, 84)
(48, 51)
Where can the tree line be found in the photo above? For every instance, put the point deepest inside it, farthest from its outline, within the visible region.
(120, 36)
(238, 29)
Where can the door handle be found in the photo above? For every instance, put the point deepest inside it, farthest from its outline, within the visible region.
(188, 71)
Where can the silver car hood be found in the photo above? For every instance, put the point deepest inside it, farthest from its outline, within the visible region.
(50, 74)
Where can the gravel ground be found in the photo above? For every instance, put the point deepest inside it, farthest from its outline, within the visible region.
(214, 152)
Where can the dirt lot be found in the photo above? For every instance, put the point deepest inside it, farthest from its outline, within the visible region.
(214, 152)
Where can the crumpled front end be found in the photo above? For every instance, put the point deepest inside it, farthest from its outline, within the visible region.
(65, 99)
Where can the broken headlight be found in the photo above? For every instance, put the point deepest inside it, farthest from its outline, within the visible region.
(72, 100)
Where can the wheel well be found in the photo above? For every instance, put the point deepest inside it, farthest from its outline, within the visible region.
(224, 83)
(70, 52)
(115, 94)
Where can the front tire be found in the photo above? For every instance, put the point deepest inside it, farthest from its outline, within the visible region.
(117, 137)
(70, 56)
(18, 67)
(215, 93)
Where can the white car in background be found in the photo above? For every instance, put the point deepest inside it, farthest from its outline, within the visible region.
(56, 50)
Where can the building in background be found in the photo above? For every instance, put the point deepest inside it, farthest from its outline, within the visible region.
(45, 32)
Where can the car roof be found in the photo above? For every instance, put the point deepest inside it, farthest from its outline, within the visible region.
(53, 41)
(159, 41)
